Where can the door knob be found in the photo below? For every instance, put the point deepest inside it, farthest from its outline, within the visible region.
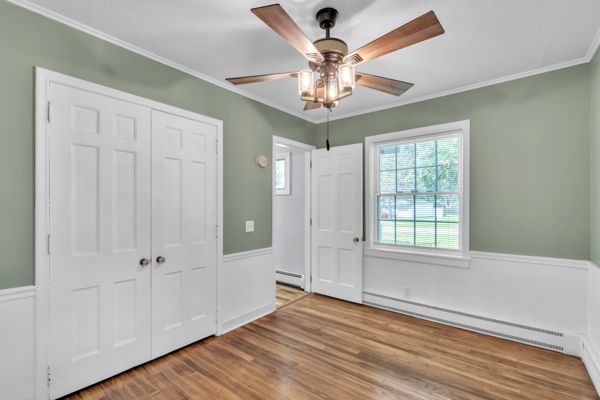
(356, 240)
(160, 259)
(144, 262)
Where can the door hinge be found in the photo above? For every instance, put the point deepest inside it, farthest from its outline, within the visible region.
(48, 244)
(217, 231)
(311, 163)
(311, 222)
(48, 112)
(48, 376)
(217, 147)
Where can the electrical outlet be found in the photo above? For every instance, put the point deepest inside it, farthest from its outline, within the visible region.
(249, 226)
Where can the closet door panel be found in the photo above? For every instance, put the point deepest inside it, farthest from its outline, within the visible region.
(99, 221)
(184, 185)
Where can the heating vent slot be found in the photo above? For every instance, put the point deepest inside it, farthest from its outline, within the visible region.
(289, 274)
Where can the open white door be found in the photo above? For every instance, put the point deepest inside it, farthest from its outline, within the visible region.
(337, 222)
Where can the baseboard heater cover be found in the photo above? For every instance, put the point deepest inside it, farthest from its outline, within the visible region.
(289, 274)
(383, 301)
(290, 278)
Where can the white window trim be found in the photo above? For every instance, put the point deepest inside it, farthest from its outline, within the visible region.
(371, 142)
(286, 158)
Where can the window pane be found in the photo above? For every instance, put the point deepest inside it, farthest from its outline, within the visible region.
(425, 208)
(387, 181)
(425, 234)
(385, 232)
(280, 174)
(448, 208)
(385, 219)
(386, 208)
(426, 154)
(447, 150)
(406, 180)
(405, 214)
(447, 235)
(406, 155)
(387, 158)
(448, 177)
(426, 179)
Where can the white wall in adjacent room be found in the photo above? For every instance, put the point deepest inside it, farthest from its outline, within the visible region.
(288, 232)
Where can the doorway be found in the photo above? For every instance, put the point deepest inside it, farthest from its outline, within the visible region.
(291, 218)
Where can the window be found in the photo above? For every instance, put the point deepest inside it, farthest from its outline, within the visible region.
(282, 173)
(418, 194)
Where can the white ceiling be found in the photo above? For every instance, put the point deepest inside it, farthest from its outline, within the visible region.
(485, 40)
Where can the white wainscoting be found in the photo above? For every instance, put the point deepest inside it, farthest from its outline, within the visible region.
(17, 358)
(246, 288)
(536, 300)
(591, 343)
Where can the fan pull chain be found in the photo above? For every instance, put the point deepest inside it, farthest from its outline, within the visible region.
(327, 141)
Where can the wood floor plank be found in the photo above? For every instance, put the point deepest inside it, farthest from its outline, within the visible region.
(286, 294)
(321, 348)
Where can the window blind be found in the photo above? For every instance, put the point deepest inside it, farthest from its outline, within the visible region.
(419, 192)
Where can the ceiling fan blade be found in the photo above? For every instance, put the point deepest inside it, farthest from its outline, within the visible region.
(387, 85)
(242, 80)
(278, 20)
(422, 28)
(311, 105)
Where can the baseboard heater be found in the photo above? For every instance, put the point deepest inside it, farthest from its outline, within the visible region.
(290, 278)
(541, 337)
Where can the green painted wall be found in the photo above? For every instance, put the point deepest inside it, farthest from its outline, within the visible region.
(594, 158)
(529, 159)
(530, 163)
(27, 39)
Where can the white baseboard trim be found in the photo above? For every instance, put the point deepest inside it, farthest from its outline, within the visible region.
(590, 358)
(17, 343)
(535, 336)
(247, 254)
(252, 315)
(290, 278)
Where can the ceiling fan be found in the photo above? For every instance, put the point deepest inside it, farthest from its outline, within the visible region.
(328, 58)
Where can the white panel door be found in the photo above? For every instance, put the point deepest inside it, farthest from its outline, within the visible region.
(337, 215)
(99, 202)
(184, 228)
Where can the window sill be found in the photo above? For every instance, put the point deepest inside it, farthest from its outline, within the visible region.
(441, 259)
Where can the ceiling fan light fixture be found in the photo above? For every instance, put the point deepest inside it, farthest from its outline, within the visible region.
(347, 77)
(306, 83)
(331, 75)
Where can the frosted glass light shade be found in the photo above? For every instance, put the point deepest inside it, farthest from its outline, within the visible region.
(347, 76)
(332, 92)
(306, 83)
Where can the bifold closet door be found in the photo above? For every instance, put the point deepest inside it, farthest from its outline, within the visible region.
(184, 230)
(100, 210)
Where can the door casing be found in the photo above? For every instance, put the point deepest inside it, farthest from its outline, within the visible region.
(42, 274)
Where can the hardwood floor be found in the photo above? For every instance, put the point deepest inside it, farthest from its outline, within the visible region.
(288, 294)
(322, 348)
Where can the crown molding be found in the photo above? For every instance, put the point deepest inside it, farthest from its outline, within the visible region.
(126, 45)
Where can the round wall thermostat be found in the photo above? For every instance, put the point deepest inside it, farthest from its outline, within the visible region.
(262, 161)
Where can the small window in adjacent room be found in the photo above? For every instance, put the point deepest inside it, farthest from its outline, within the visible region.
(282, 173)
(419, 189)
